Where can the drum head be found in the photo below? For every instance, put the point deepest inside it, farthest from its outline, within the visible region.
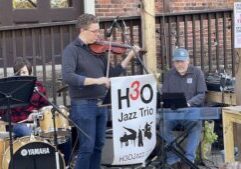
(36, 155)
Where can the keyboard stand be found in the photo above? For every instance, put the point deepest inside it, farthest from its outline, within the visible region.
(177, 141)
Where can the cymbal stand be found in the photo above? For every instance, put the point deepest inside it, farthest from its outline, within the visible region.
(12, 166)
(55, 139)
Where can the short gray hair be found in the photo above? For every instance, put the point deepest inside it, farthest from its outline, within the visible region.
(85, 20)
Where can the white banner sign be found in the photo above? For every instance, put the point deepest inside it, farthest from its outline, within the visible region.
(237, 25)
(133, 101)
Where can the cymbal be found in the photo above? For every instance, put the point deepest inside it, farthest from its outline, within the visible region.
(62, 89)
(4, 134)
(5, 123)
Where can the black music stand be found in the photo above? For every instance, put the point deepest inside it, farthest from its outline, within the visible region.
(174, 100)
(15, 91)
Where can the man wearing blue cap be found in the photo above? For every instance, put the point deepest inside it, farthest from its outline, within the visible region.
(187, 79)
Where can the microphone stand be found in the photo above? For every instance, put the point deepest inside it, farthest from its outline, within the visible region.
(12, 166)
(53, 110)
(114, 24)
(108, 34)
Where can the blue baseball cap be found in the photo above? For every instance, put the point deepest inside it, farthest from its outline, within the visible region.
(180, 54)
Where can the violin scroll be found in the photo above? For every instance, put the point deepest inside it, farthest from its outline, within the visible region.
(104, 46)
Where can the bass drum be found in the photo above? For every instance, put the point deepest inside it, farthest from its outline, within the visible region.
(32, 152)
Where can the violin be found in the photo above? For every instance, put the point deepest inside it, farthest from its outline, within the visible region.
(104, 46)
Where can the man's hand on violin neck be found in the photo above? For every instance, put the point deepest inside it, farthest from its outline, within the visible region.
(135, 49)
(130, 55)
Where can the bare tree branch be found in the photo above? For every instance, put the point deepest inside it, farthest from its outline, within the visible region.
(32, 3)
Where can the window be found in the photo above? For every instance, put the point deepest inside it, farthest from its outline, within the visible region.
(61, 3)
(24, 4)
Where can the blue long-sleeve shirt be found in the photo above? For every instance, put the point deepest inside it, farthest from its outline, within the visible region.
(79, 63)
(192, 84)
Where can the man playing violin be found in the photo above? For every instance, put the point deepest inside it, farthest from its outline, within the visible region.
(85, 73)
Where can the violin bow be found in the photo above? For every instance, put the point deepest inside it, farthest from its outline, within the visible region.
(108, 57)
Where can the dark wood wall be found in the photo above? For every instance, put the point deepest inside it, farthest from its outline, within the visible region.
(42, 13)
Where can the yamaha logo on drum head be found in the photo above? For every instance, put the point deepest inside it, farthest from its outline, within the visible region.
(24, 152)
(35, 151)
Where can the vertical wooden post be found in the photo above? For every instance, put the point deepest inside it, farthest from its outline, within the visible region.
(238, 78)
(149, 34)
(238, 72)
(237, 128)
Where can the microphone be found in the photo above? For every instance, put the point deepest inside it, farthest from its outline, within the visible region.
(113, 24)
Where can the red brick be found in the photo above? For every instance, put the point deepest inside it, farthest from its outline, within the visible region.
(130, 7)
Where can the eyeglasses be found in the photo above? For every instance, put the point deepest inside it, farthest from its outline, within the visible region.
(94, 31)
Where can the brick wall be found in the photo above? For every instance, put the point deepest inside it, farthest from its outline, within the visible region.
(185, 5)
(110, 8)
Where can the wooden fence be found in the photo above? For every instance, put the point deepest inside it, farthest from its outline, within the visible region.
(208, 35)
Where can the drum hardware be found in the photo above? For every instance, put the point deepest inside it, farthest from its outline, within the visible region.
(33, 126)
(60, 140)
(46, 123)
(40, 117)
